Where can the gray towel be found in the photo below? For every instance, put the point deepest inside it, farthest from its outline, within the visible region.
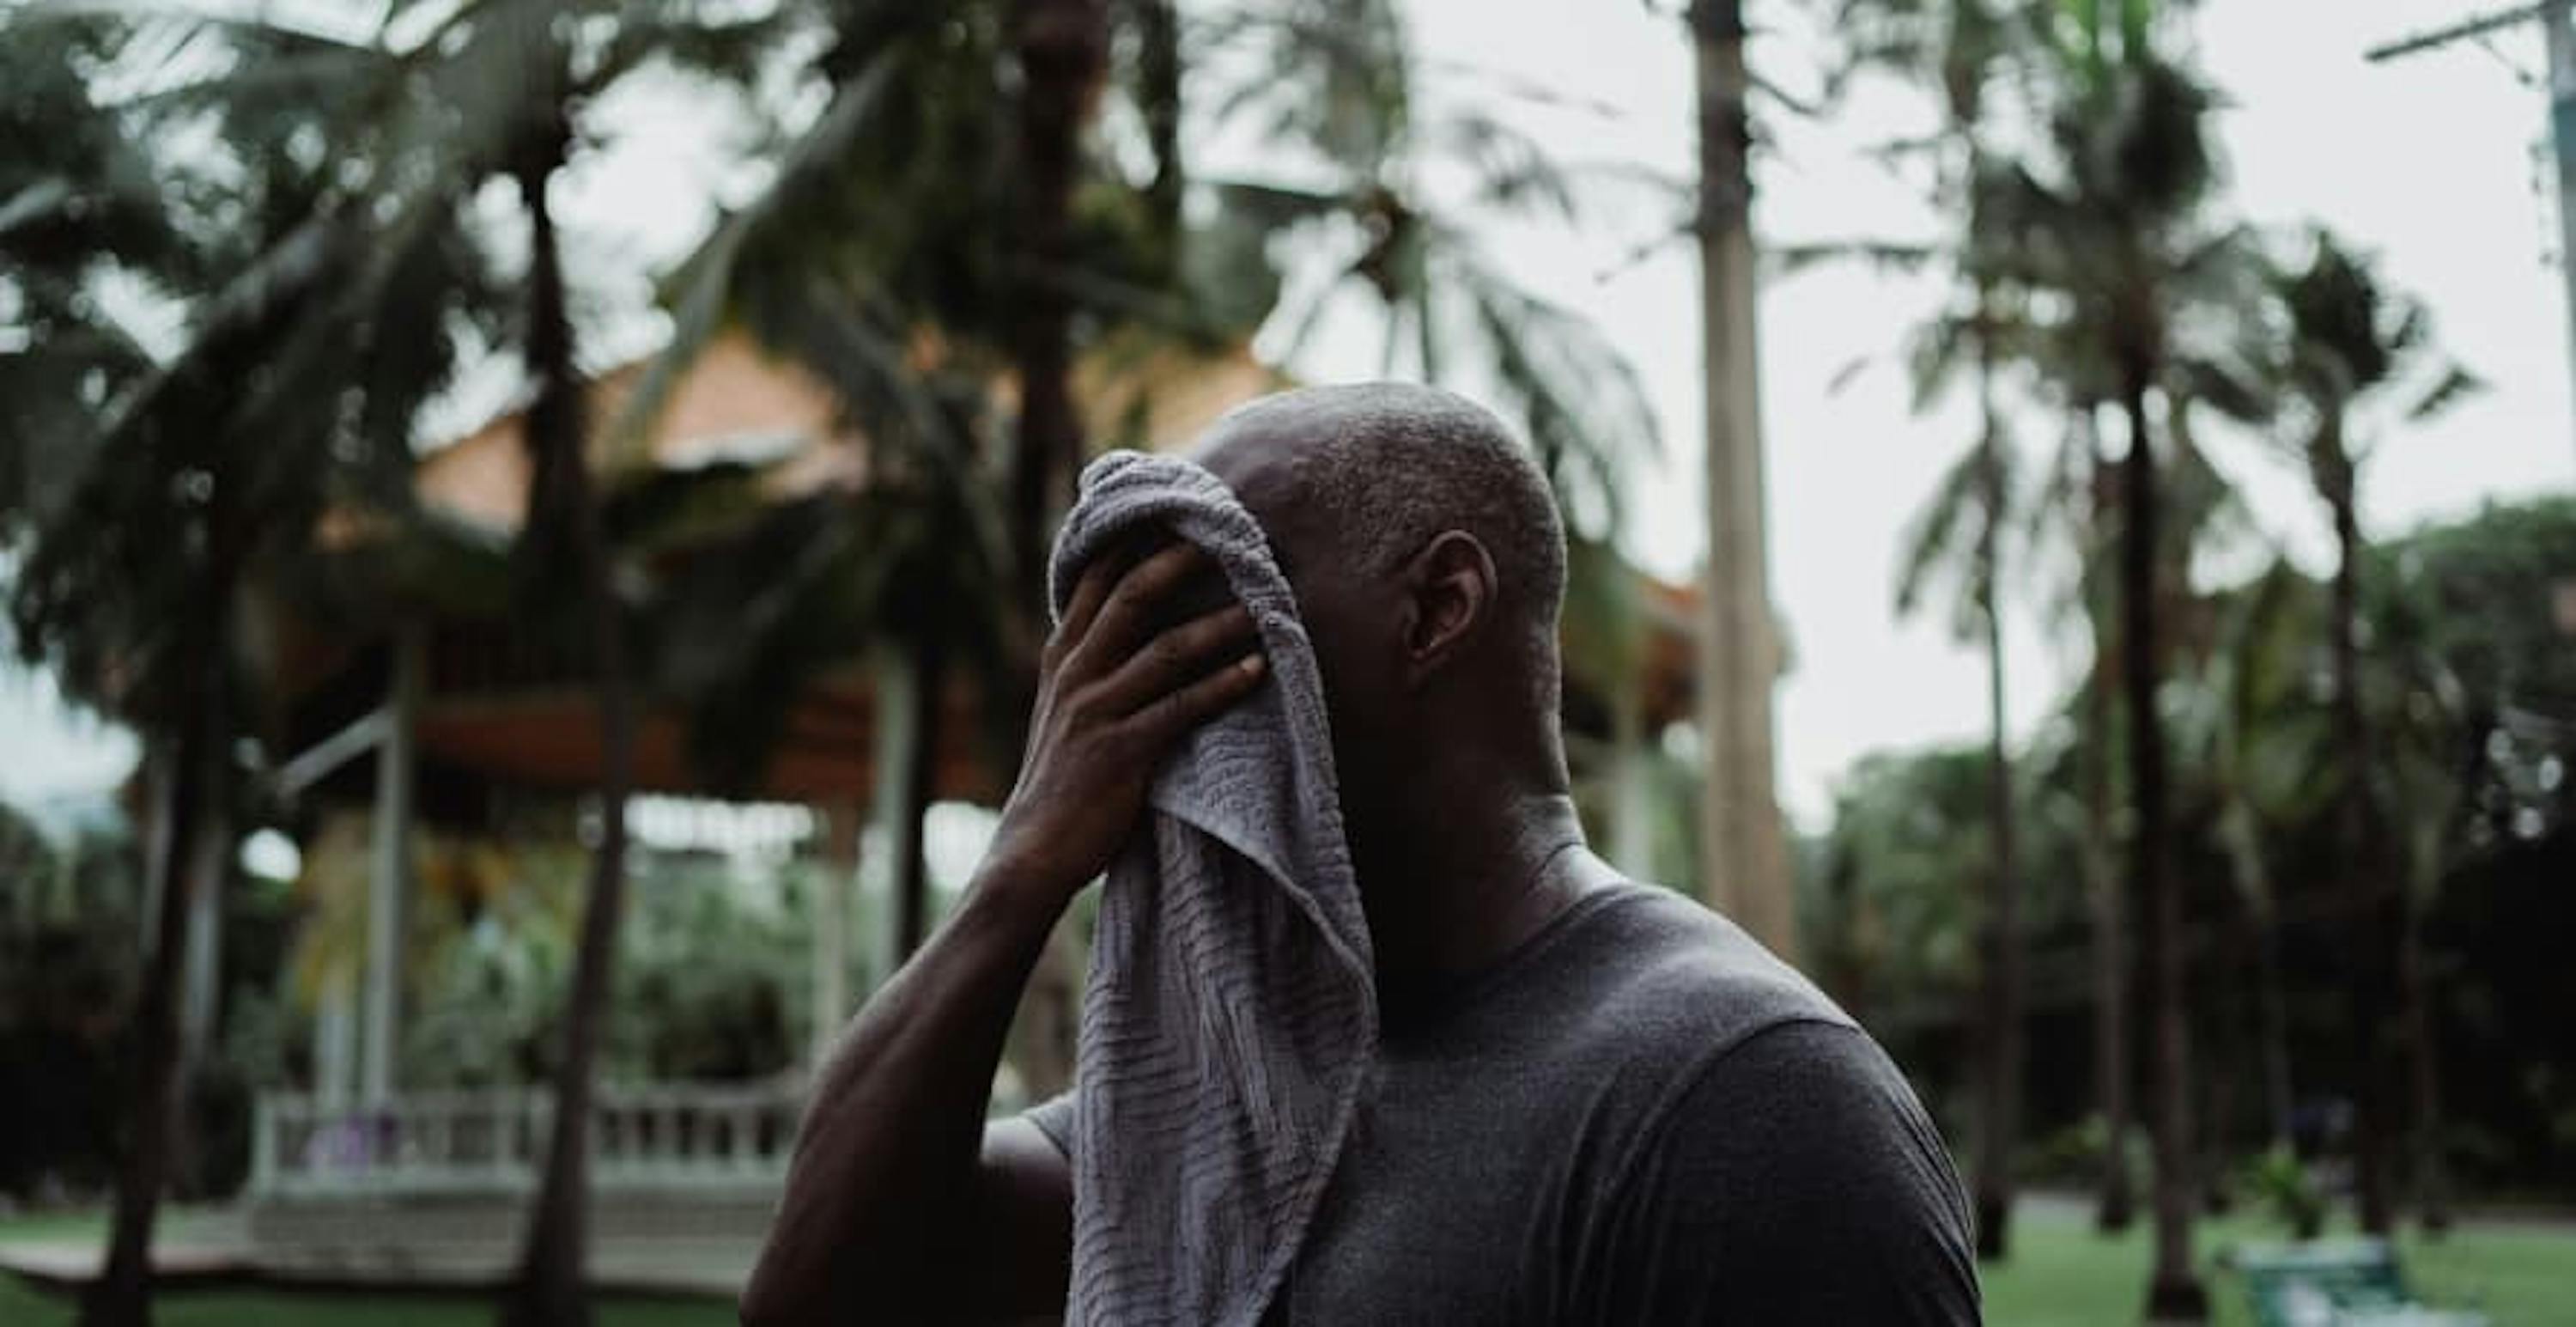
(1230, 1014)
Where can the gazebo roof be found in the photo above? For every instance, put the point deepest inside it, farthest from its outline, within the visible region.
(495, 711)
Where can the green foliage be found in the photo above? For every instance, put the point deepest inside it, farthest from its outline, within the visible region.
(1902, 875)
(2282, 1185)
(712, 969)
(1336, 83)
(69, 912)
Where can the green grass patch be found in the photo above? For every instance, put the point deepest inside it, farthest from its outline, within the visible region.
(21, 1306)
(89, 1225)
(2062, 1274)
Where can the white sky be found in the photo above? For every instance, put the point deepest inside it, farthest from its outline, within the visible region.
(2430, 162)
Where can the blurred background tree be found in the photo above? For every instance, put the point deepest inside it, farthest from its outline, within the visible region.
(249, 266)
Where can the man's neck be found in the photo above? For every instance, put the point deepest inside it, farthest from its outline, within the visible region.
(1468, 884)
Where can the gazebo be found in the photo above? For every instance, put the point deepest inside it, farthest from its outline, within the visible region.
(439, 712)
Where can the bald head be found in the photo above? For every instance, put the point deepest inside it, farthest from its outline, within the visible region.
(1370, 474)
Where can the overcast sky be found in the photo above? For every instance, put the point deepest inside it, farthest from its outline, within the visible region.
(2430, 162)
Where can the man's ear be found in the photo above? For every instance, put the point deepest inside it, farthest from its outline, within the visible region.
(1450, 594)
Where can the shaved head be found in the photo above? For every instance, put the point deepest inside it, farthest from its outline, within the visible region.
(1424, 549)
(1378, 470)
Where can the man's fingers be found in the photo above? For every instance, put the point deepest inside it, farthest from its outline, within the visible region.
(1123, 619)
(1192, 705)
(1173, 658)
(1090, 590)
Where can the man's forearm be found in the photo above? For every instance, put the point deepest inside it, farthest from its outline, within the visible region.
(886, 1161)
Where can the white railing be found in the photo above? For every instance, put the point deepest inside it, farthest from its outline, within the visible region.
(658, 1138)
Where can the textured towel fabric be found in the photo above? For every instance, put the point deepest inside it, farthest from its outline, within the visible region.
(1230, 1014)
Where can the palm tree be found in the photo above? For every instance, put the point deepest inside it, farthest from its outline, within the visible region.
(1738, 662)
(1062, 47)
(157, 487)
(1341, 79)
(1957, 48)
(892, 259)
(479, 92)
(549, 1286)
(2346, 341)
(2248, 727)
(2115, 1202)
(2117, 231)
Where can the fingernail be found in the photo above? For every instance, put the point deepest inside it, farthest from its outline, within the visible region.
(1252, 663)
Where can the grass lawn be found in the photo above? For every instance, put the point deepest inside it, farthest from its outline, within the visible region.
(23, 1307)
(2061, 1275)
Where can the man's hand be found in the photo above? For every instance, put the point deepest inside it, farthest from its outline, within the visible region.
(1114, 696)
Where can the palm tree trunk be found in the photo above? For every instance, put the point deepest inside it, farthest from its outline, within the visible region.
(2373, 958)
(122, 1294)
(2174, 1293)
(548, 1290)
(1158, 77)
(2263, 937)
(1998, 1121)
(201, 991)
(2275, 1014)
(2432, 1174)
(921, 774)
(1063, 46)
(1744, 853)
(2115, 1204)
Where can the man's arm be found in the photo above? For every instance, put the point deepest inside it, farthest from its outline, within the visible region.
(900, 1206)
(1796, 1181)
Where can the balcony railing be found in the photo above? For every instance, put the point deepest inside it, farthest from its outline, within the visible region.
(658, 1138)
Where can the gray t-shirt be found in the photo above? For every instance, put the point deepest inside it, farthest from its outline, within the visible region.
(1639, 1116)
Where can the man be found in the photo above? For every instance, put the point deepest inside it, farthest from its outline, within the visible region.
(1593, 1102)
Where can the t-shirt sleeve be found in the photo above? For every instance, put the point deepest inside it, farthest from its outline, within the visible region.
(1796, 1180)
(1054, 1118)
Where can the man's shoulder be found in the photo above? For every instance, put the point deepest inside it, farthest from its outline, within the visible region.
(1683, 982)
(1649, 994)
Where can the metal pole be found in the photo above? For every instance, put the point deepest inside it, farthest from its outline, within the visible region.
(2557, 23)
(2558, 28)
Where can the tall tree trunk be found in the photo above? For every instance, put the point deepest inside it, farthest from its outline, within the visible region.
(1063, 45)
(2275, 1013)
(2174, 1293)
(2361, 846)
(2424, 1078)
(2226, 1053)
(2115, 1205)
(1999, 1117)
(1158, 92)
(548, 1290)
(122, 1294)
(911, 872)
(1743, 846)
(2262, 926)
(201, 991)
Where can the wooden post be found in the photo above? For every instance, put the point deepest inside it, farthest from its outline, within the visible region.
(1632, 794)
(388, 880)
(335, 1042)
(831, 922)
(899, 724)
(263, 1144)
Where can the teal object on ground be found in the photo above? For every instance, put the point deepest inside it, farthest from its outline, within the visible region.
(2336, 1283)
